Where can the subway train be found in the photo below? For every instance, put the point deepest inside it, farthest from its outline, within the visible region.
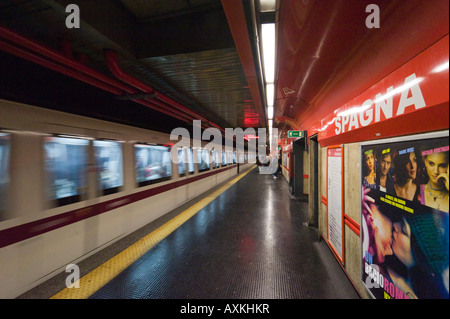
(73, 185)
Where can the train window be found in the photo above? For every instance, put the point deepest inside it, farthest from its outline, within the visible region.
(213, 158)
(203, 159)
(190, 157)
(230, 157)
(217, 158)
(108, 158)
(4, 173)
(153, 164)
(66, 160)
(182, 161)
(224, 158)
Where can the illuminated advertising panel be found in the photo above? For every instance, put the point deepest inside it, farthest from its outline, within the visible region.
(404, 218)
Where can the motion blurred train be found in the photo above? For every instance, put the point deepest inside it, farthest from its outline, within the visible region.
(72, 185)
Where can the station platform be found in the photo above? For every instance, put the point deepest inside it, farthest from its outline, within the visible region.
(245, 239)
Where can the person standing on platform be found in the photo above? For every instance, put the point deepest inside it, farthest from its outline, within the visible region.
(278, 158)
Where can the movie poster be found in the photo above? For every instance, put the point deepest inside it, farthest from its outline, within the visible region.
(405, 219)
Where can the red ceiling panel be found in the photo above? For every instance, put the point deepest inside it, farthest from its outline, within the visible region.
(327, 55)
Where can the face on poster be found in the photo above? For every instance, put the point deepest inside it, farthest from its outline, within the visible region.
(405, 219)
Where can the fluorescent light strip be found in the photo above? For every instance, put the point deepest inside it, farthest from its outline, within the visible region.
(270, 94)
(270, 112)
(268, 48)
(267, 5)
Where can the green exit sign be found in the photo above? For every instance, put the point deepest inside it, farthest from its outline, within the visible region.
(295, 133)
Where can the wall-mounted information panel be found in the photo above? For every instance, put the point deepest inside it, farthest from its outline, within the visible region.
(335, 197)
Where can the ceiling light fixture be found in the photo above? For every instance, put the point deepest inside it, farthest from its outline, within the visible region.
(267, 10)
(270, 112)
(268, 51)
(267, 5)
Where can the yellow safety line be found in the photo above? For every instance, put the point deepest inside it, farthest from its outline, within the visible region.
(104, 273)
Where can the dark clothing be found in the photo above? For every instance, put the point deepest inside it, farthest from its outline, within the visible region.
(278, 167)
(389, 184)
(416, 194)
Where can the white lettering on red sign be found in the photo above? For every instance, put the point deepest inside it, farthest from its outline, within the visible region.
(366, 114)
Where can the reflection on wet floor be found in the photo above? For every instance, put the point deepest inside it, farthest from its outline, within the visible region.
(250, 242)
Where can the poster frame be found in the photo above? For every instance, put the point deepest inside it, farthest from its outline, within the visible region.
(403, 138)
(340, 258)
